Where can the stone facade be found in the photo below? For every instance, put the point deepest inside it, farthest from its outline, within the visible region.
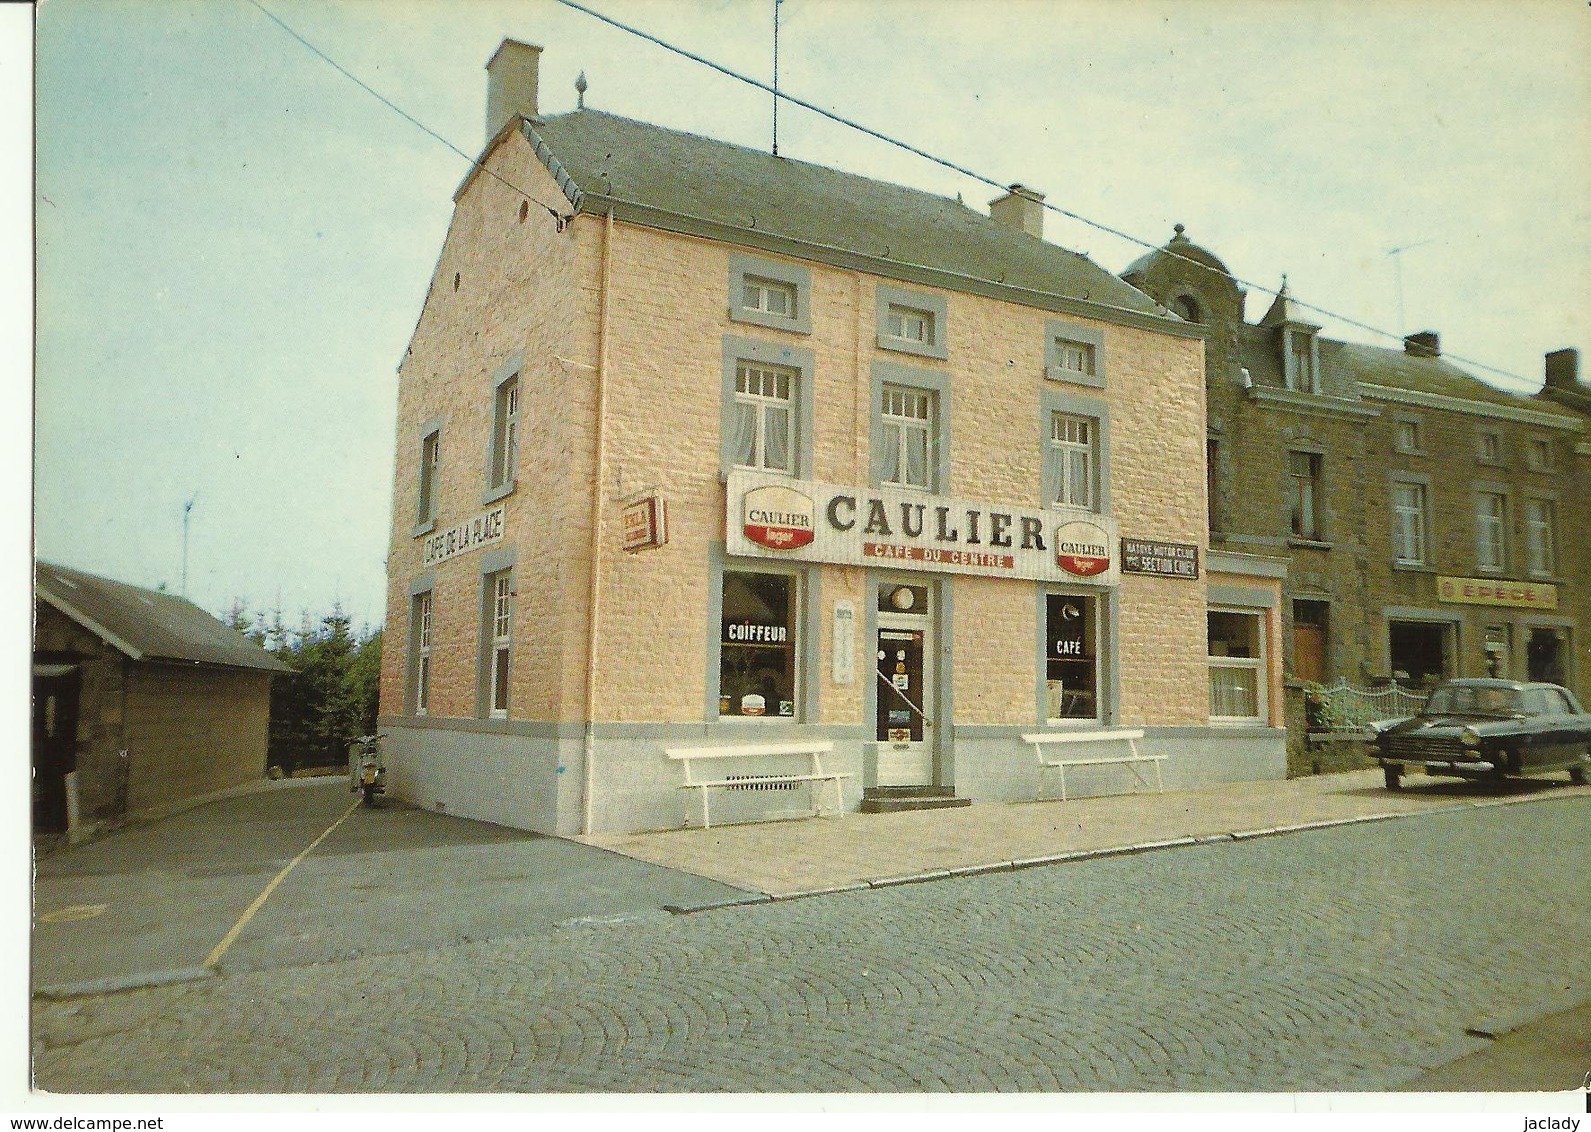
(624, 336)
(1355, 423)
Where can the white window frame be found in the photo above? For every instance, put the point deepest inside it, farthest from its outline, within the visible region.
(1064, 450)
(1541, 537)
(1538, 454)
(895, 306)
(423, 615)
(501, 621)
(910, 324)
(898, 424)
(1407, 435)
(1300, 372)
(763, 404)
(1491, 447)
(754, 272)
(1256, 664)
(757, 291)
(1409, 524)
(505, 434)
(1491, 531)
(1075, 357)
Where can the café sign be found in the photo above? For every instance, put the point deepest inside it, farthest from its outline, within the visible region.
(1495, 591)
(471, 534)
(769, 516)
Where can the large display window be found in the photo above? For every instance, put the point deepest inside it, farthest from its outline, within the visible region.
(757, 651)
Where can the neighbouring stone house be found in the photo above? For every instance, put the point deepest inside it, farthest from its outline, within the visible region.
(702, 449)
(141, 701)
(1433, 524)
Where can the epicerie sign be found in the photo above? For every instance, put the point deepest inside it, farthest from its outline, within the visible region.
(1491, 591)
(472, 534)
(769, 516)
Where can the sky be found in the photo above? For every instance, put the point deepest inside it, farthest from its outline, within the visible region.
(233, 239)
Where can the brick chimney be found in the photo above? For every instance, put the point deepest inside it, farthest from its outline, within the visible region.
(1563, 371)
(1423, 344)
(1021, 208)
(511, 78)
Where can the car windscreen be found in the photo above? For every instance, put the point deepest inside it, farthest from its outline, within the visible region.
(1474, 701)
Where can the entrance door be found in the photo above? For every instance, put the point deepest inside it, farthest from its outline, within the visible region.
(54, 747)
(1544, 656)
(905, 701)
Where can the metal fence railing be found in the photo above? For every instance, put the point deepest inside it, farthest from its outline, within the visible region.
(1342, 711)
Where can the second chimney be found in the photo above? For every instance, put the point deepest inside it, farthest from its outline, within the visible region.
(1021, 208)
(1423, 344)
(1563, 370)
(511, 79)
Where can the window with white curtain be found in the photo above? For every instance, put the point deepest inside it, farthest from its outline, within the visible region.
(907, 426)
(764, 417)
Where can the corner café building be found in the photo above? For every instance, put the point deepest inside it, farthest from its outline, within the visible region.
(868, 474)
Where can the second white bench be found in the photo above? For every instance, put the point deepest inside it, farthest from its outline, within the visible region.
(814, 775)
(1132, 760)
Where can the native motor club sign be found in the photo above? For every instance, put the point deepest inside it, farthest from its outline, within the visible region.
(777, 517)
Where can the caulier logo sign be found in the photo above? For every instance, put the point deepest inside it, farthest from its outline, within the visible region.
(1081, 548)
(779, 518)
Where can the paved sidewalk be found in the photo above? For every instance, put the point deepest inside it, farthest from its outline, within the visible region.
(793, 858)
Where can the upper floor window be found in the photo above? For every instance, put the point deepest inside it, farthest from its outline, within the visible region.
(1073, 444)
(1491, 448)
(768, 296)
(1408, 530)
(1186, 308)
(505, 433)
(908, 427)
(430, 473)
(1538, 454)
(1539, 536)
(764, 418)
(765, 292)
(1304, 494)
(1074, 353)
(911, 322)
(1074, 357)
(1408, 436)
(1491, 524)
(1300, 362)
(420, 634)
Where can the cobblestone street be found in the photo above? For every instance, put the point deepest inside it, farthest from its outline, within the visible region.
(1341, 959)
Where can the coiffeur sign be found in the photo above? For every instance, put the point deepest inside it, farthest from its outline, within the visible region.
(777, 517)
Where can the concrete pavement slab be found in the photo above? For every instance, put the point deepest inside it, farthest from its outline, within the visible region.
(782, 858)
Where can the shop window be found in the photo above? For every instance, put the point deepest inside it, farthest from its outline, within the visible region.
(1237, 667)
(420, 635)
(498, 594)
(1539, 536)
(911, 322)
(769, 293)
(1304, 494)
(1491, 523)
(764, 417)
(504, 455)
(1409, 524)
(1071, 658)
(757, 646)
(1545, 651)
(908, 427)
(1419, 651)
(430, 476)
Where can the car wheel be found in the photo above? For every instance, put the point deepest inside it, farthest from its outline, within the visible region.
(1577, 774)
(1394, 777)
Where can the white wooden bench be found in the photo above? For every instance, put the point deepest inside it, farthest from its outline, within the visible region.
(816, 774)
(1132, 760)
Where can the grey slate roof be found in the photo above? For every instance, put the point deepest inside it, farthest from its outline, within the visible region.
(145, 624)
(685, 175)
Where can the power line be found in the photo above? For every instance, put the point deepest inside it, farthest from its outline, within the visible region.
(560, 218)
(997, 184)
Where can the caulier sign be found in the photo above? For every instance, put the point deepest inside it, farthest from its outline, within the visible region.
(770, 516)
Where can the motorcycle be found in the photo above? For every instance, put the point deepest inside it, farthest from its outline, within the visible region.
(367, 774)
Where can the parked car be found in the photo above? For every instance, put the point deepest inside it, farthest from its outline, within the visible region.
(1488, 729)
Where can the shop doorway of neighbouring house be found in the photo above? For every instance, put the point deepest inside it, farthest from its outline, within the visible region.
(1309, 640)
(1419, 651)
(905, 686)
(55, 694)
(1544, 656)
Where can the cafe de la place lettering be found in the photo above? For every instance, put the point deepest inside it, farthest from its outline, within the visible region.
(854, 496)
